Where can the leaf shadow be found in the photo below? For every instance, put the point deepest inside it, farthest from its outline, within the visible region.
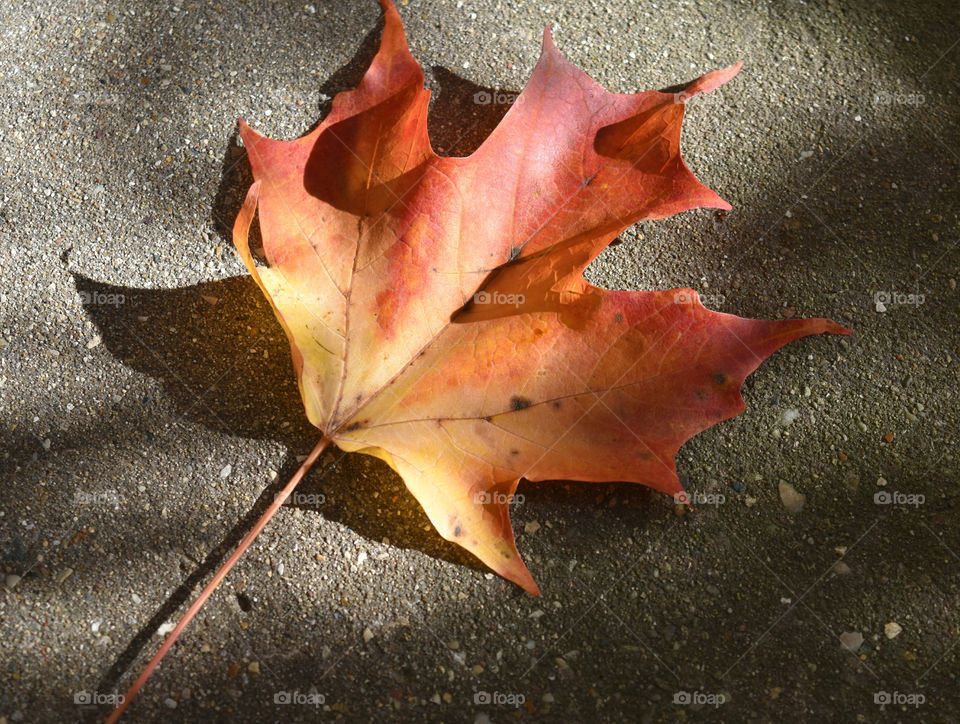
(224, 363)
(463, 114)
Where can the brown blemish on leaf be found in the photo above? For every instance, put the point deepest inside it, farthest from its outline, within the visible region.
(519, 403)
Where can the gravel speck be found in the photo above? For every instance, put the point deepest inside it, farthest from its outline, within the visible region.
(788, 416)
(851, 640)
(792, 500)
(841, 568)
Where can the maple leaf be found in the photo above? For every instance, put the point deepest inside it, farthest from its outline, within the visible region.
(436, 307)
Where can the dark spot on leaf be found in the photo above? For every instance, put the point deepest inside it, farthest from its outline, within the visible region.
(618, 317)
(514, 252)
(514, 452)
(700, 395)
(488, 418)
(719, 378)
(352, 426)
(507, 555)
(557, 404)
(458, 531)
(519, 403)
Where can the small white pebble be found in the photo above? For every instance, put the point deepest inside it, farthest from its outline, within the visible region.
(841, 568)
(788, 416)
(851, 640)
(792, 500)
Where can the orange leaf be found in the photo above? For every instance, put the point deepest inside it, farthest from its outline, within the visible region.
(436, 307)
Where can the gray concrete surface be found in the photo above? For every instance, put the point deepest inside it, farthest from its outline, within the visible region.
(149, 408)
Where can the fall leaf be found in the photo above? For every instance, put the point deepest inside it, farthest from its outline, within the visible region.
(436, 307)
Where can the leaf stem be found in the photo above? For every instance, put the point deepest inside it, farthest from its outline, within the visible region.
(217, 578)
